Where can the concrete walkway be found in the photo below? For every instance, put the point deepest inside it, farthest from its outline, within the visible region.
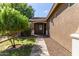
(55, 49)
(40, 49)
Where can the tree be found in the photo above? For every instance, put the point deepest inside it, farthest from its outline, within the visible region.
(14, 18)
(24, 10)
(22, 7)
(12, 22)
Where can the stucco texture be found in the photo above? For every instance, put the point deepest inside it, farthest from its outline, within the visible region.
(63, 23)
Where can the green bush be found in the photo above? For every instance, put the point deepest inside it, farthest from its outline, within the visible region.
(26, 32)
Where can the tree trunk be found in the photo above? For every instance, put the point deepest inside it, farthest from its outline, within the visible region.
(12, 42)
(14, 37)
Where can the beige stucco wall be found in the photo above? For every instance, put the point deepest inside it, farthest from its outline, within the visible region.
(64, 23)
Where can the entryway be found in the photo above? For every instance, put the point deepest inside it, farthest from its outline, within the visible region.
(40, 28)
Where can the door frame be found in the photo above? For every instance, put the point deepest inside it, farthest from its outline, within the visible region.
(37, 31)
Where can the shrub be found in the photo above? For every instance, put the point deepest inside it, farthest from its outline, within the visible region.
(26, 32)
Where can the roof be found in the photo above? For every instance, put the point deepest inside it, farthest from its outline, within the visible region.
(52, 9)
(38, 19)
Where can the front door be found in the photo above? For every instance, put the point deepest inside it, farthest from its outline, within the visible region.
(39, 28)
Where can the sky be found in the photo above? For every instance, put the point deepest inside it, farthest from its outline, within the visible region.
(41, 9)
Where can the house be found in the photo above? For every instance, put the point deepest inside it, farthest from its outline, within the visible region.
(39, 25)
(61, 22)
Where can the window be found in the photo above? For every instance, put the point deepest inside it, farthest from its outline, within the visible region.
(40, 27)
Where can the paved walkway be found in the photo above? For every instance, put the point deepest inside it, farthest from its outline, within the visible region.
(40, 48)
(55, 49)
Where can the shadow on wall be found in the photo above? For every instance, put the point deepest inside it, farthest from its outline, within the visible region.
(58, 11)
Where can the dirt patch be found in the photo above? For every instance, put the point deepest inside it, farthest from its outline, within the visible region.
(16, 47)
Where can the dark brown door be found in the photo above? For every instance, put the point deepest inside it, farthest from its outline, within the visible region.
(39, 28)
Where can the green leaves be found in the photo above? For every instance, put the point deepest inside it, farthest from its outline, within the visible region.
(14, 17)
(23, 8)
(12, 20)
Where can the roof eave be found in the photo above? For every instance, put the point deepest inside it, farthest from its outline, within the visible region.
(52, 9)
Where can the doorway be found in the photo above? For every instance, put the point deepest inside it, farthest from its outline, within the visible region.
(40, 28)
